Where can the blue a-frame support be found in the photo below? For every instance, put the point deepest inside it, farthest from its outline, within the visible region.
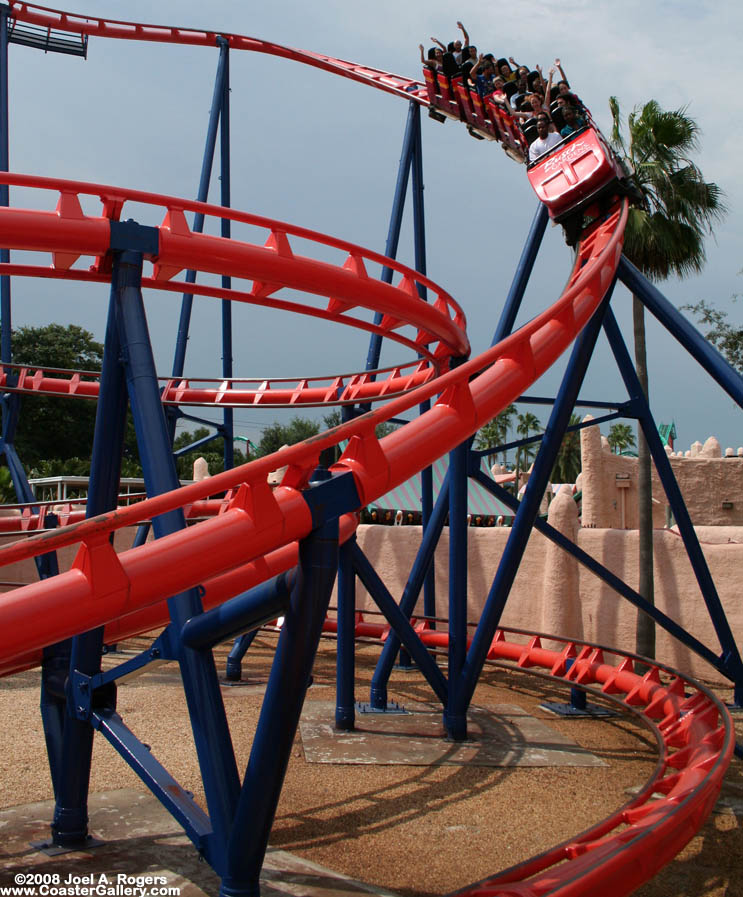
(241, 808)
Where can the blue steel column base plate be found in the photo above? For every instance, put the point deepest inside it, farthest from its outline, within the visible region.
(54, 850)
(391, 708)
(567, 710)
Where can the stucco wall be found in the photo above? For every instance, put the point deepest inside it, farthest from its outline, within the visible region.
(562, 597)
(706, 478)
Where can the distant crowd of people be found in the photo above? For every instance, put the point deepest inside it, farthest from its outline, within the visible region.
(414, 518)
(546, 112)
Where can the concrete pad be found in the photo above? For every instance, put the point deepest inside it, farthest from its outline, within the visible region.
(499, 735)
(141, 839)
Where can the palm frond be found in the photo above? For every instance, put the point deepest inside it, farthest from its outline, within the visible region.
(666, 234)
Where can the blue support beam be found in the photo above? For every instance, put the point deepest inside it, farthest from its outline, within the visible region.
(421, 565)
(228, 416)
(282, 706)
(201, 686)
(400, 622)
(529, 507)
(522, 275)
(690, 338)
(70, 824)
(5, 319)
(455, 712)
(604, 574)
(345, 705)
(202, 196)
(730, 654)
(419, 236)
(393, 233)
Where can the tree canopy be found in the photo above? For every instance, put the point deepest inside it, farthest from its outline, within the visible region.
(726, 337)
(677, 208)
(50, 427)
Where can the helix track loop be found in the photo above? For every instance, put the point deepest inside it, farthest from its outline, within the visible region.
(252, 534)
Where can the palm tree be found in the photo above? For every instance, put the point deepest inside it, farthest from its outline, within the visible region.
(620, 438)
(568, 464)
(527, 424)
(675, 209)
(495, 431)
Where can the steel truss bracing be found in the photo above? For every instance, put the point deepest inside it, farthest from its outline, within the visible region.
(261, 555)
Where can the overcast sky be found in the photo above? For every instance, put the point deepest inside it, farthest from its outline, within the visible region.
(322, 152)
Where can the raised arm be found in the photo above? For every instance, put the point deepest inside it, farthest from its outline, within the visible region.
(548, 94)
(423, 58)
(475, 67)
(439, 44)
(562, 73)
(464, 34)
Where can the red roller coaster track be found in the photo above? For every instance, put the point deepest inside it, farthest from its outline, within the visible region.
(256, 532)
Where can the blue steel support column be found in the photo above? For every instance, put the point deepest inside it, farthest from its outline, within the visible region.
(522, 275)
(393, 234)
(423, 560)
(282, 707)
(4, 190)
(345, 710)
(419, 231)
(10, 403)
(455, 718)
(529, 508)
(70, 824)
(198, 222)
(200, 683)
(730, 654)
(226, 230)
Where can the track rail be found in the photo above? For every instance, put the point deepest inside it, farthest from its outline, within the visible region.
(125, 592)
(695, 740)
(262, 521)
(121, 30)
(279, 392)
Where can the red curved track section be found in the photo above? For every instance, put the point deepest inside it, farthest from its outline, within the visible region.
(111, 28)
(125, 591)
(284, 392)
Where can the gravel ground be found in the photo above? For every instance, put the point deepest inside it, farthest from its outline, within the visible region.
(414, 830)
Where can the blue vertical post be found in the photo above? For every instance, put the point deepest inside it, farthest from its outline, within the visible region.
(228, 429)
(529, 507)
(5, 321)
(522, 275)
(419, 232)
(455, 719)
(202, 195)
(393, 233)
(70, 824)
(282, 707)
(200, 683)
(345, 712)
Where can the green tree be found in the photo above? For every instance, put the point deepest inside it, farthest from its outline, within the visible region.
(7, 491)
(212, 453)
(495, 431)
(61, 429)
(674, 210)
(277, 434)
(53, 427)
(620, 438)
(568, 463)
(527, 423)
(727, 338)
